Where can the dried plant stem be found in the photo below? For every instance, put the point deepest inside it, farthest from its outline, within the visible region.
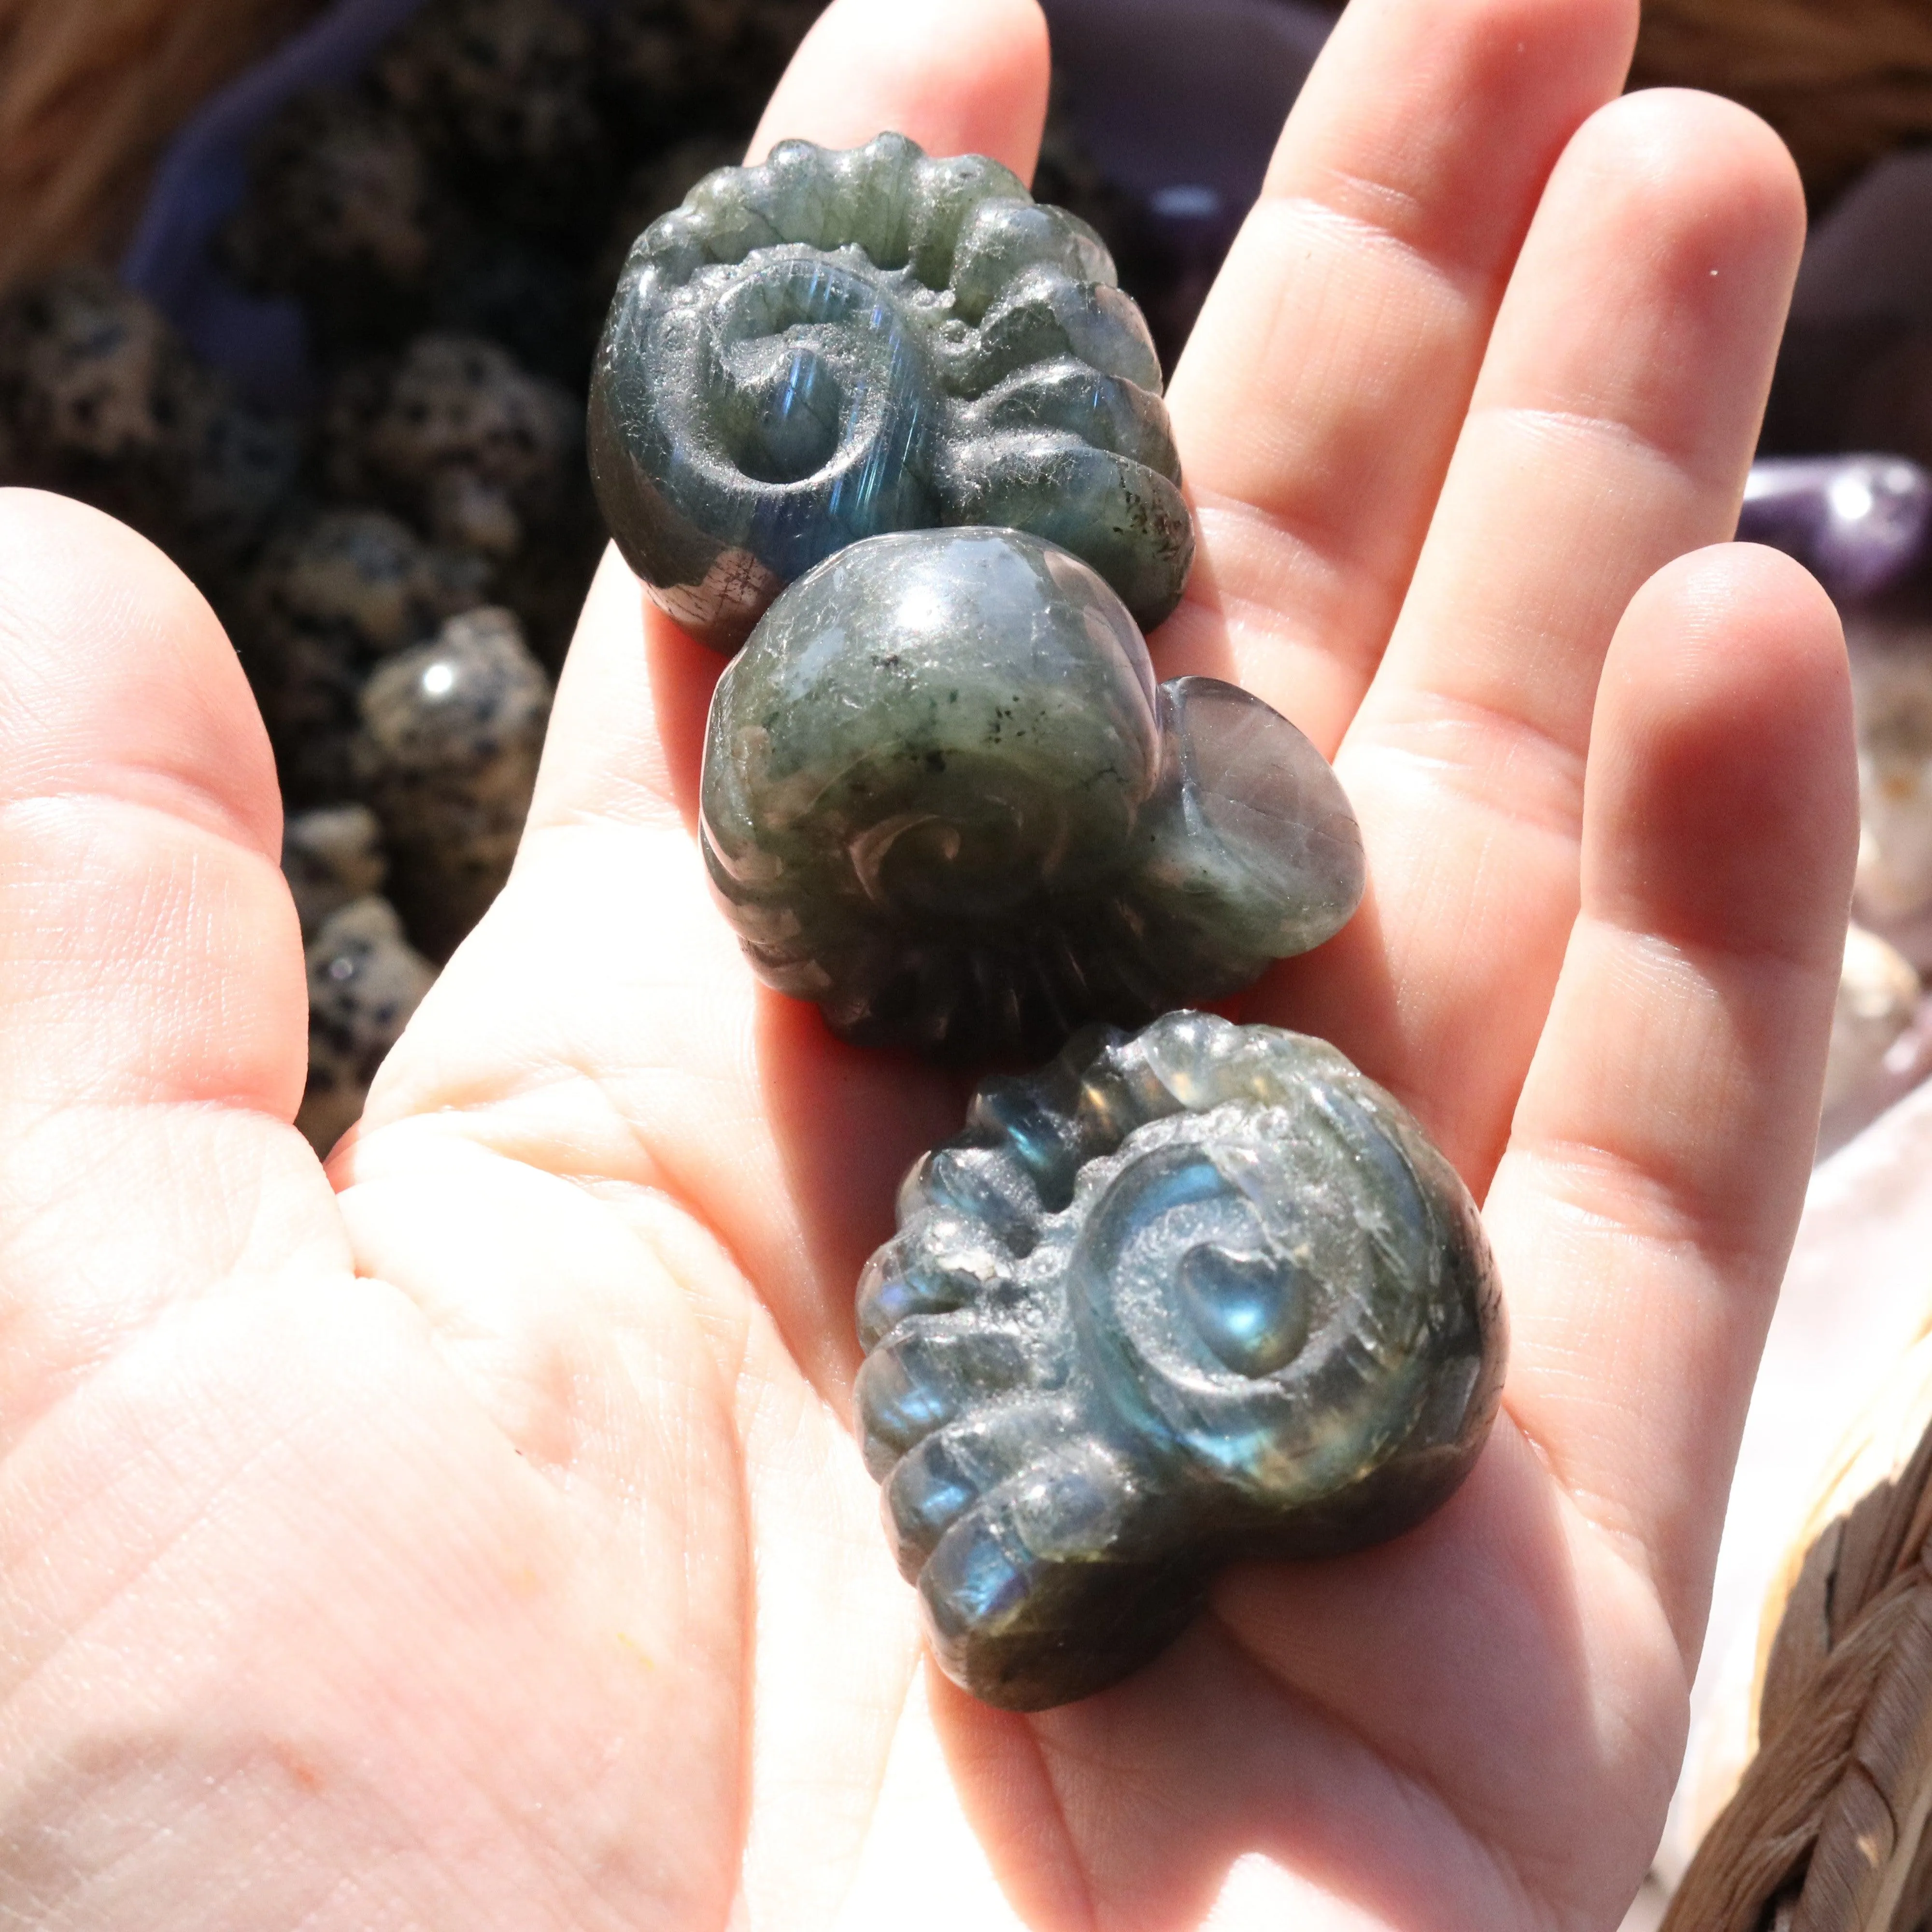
(1843, 81)
(1826, 1832)
(90, 90)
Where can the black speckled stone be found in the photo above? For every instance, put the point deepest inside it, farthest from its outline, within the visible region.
(329, 599)
(1202, 1294)
(457, 437)
(102, 400)
(699, 63)
(502, 92)
(331, 854)
(452, 732)
(364, 981)
(343, 215)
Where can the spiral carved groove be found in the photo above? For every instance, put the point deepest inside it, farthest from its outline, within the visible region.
(1201, 1293)
(831, 346)
(942, 797)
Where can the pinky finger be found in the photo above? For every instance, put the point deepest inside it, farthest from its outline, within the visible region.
(1645, 1208)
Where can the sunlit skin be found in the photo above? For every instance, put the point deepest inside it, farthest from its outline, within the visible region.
(471, 1535)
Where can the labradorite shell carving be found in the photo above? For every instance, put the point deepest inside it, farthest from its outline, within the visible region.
(834, 345)
(943, 796)
(1202, 1294)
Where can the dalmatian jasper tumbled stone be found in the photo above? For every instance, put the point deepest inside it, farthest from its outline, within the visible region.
(364, 981)
(452, 733)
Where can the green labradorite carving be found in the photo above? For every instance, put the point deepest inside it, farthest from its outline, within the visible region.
(831, 346)
(1202, 1294)
(943, 796)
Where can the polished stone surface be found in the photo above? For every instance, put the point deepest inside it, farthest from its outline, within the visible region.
(1859, 524)
(943, 796)
(831, 346)
(328, 599)
(364, 981)
(455, 435)
(102, 399)
(331, 854)
(452, 733)
(1202, 1294)
(1878, 993)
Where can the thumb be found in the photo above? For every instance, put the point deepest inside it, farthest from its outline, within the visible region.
(153, 1028)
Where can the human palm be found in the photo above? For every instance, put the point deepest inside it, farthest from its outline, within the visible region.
(473, 1535)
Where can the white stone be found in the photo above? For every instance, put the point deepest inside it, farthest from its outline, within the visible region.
(1891, 683)
(1878, 992)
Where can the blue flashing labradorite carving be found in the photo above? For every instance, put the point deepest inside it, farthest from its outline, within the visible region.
(943, 797)
(831, 346)
(1203, 1294)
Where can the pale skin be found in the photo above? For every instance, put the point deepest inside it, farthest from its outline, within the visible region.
(470, 1533)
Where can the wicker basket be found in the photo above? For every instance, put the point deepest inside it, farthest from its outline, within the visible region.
(89, 91)
(1843, 81)
(1826, 1832)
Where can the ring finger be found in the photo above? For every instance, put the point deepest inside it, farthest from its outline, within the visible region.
(1610, 430)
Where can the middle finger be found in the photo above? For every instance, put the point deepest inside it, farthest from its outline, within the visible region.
(1610, 430)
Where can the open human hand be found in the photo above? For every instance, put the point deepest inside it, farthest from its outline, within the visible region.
(472, 1535)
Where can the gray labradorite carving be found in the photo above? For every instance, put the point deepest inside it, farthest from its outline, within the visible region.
(1203, 1294)
(831, 346)
(943, 797)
